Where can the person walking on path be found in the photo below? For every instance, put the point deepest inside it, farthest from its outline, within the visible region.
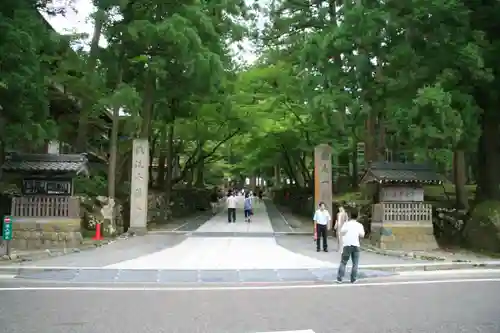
(351, 232)
(322, 220)
(247, 207)
(341, 219)
(231, 207)
(214, 200)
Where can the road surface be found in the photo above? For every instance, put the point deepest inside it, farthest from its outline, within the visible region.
(443, 302)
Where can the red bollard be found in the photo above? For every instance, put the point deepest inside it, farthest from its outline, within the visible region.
(98, 235)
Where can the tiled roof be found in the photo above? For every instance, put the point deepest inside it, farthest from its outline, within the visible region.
(73, 163)
(395, 172)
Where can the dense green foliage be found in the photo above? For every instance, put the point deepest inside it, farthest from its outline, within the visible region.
(403, 80)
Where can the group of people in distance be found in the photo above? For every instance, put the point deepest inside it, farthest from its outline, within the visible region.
(232, 200)
(349, 232)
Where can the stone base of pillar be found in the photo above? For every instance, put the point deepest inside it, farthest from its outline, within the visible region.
(139, 231)
(414, 237)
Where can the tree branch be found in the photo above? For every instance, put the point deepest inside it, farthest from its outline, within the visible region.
(192, 160)
(306, 132)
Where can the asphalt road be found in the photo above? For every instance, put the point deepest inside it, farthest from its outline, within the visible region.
(421, 302)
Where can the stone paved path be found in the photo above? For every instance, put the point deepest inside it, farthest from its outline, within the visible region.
(217, 251)
(227, 252)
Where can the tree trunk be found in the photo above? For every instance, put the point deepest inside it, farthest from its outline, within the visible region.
(289, 167)
(460, 177)
(488, 155)
(2, 142)
(277, 176)
(200, 166)
(170, 167)
(147, 105)
(370, 138)
(160, 177)
(113, 148)
(87, 103)
(355, 169)
(303, 167)
(113, 151)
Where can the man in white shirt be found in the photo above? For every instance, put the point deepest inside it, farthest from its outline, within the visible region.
(322, 220)
(231, 207)
(351, 232)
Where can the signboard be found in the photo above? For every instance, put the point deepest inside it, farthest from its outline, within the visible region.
(7, 228)
(323, 176)
(139, 186)
(46, 186)
(401, 194)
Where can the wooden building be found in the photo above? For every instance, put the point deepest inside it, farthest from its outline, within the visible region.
(401, 219)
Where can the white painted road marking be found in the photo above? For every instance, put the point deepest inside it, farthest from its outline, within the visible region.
(94, 287)
(450, 272)
(300, 331)
(223, 253)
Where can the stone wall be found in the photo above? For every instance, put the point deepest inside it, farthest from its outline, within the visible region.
(38, 233)
(482, 230)
(99, 210)
(404, 237)
(183, 202)
(299, 200)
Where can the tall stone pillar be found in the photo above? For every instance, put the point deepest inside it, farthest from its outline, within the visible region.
(323, 176)
(139, 187)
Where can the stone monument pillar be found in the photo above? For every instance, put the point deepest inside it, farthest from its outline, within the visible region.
(323, 176)
(139, 187)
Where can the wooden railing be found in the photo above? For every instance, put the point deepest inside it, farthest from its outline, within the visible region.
(395, 212)
(45, 206)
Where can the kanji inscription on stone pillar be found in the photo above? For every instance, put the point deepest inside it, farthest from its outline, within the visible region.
(323, 176)
(139, 186)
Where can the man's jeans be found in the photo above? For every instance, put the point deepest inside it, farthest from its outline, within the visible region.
(231, 215)
(353, 253)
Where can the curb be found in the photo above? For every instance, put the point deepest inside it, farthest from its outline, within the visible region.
(412, 255)
(392, 268)
(48, 253)
(443, 266)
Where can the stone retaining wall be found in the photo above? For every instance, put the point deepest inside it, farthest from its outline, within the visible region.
(299, 200)
(406, 237)
(40, 233)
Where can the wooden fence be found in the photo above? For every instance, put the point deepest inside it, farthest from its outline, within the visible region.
(45, 206)
(394, 212)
